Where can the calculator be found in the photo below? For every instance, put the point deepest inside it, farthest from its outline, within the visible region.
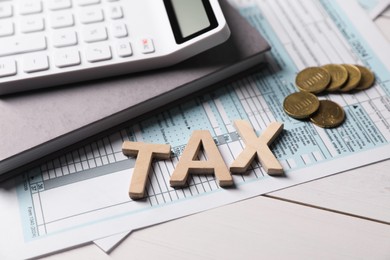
(46, 43)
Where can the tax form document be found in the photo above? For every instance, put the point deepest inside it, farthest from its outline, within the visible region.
(374, 8)
(82, 195)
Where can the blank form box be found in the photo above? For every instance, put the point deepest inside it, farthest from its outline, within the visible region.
(160, 199)
(207, 187)
(58, 172)
(226, 154)
(72, 168)
(187, 192)
(384, 129)
(200, 188)
(153, 200)
(76, 156)
(69, 158)
(37, 209)
(116, 142)
(236, 148)
(149, 189)
(119, 156)
(111, 158)
(180, 193)
(101, 147)
(318, 156)
(45, 175)
(306, 158)
(41, 230)
(107, 145)
(85, 165)
(104, 160)
(284, 164)
(65, 170)
(259, 172)
(92, 163)
(98, 162)
(52, 174)
(167, 197)
(78, 167)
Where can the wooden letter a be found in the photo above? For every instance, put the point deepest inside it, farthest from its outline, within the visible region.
(188, 163)
(145, 153)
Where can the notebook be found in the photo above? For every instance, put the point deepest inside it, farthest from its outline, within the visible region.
(36, 124)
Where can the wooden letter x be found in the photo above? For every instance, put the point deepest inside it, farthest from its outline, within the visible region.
(257, 145)
(188, 163)
(145, 153)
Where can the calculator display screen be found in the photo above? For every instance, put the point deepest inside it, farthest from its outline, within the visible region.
(190, 18)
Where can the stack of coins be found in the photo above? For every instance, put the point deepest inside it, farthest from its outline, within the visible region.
(334, 77)
(331, 78)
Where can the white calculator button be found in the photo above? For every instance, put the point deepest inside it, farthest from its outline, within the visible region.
(7, 67)
(124, 49)
(63, 38)
(95, 33)
(5, 10)
(67, 58)
(61, 19)
(91, 15)
(98, 52)
(6, 28)
(32, 24)
(35, 62)
(59, 4)
(87, 2)
(17, 45)
(30, 7)
(115, 12)
(147, 45)
(119, 30)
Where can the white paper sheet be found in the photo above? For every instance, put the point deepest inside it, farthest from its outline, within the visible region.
(374, 7)
(82, 195)
(107, 244)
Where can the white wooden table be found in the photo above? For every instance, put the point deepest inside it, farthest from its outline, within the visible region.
(345, 216)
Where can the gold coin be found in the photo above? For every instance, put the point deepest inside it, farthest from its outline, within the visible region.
(312, 79)
(354, 77)
(328, 115)
(301, 104)
(338, 75)
(367, 79)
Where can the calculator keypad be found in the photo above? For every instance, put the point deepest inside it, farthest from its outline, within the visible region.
(100, 25)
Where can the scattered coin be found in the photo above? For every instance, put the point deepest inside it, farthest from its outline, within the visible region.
(367, 79)
(328, 115)
(354, 77)
(338, 74)
(330, 77)
(313, 80)
(301, 105)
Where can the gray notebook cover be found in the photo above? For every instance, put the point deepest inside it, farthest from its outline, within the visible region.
(38, 123)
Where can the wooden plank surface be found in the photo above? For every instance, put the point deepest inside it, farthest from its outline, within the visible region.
(363, 192)
(259, 228)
